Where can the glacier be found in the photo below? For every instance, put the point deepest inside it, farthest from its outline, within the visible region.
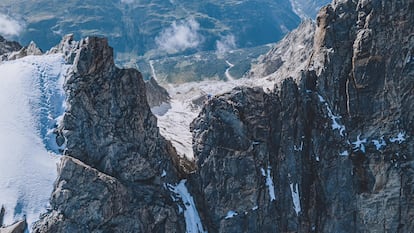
(32, 101)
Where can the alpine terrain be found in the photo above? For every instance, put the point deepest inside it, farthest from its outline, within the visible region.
(316, 136)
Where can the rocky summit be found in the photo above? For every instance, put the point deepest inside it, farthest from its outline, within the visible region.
(114, 157)
(329, 149)
(331, 152)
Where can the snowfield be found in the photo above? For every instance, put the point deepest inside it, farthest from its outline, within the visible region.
(31, 98)
(174, 119)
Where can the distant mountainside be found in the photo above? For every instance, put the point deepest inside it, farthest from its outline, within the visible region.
(142, 26)
(163, 31)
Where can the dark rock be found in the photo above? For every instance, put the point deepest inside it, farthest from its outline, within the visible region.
(156, 94)
(2, 212)
(320, 135)
(8, 47)
(87, 200)
(108, 123)
(18, 227)
(112, 177)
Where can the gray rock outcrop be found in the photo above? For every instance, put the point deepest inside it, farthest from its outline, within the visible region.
(333, 150)
(288, 57)
(18, 227)
(329, 150)
(116, 163)
(156, 94)
(7, 47)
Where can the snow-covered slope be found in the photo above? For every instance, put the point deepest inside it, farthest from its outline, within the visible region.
(187, 99)
(31, 100)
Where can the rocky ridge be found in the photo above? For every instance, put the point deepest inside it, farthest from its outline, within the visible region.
(288, 58)
(331, 151)
(115, 164)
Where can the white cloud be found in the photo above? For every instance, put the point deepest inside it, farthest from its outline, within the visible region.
(9, 26)
(225, 44)
(179, 36)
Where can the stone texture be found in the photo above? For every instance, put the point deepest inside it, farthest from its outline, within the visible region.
(320, 134)
(156, 94)
(18, 227)
(87, 200)
(288, 58)
(7, 47)
(111, 177)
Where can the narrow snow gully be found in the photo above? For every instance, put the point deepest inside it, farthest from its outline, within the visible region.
(183, 196)
(32, 101)
(227, 73)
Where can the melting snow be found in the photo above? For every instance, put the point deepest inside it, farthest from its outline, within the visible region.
(298, 148)
(269, 183)
(192, 218)
(32, 99)
(400, 138)
(335, 123)
(334, 118)
(344, 153)
(227, 73)
(164, 173)
(295, 198)
(359, 143)
(379, 143)
(231, 214)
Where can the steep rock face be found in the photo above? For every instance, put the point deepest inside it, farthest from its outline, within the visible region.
(234, 138)
(116, 163)
(156, 94)
(288, 57)
(341, 154)
(8, 46)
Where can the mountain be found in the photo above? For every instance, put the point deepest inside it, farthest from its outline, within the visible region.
(322, 143)
(138, 27)
(164, 32)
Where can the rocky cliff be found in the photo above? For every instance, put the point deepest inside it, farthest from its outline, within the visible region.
(331, 152)
(115, 166)
(330, 149)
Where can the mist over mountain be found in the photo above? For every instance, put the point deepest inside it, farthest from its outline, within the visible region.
(155, 27)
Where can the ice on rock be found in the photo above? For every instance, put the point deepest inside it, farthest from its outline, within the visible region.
(231, 214)
(359, 144)
(269, 182)
(399, 138)
(295, 198)
(379, 143)
(192, 218)
(344, 153)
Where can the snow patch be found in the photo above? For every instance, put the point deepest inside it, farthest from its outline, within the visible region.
(298, 148)
(379, 143)
(359, 144)
(32, 100)
(227, 73)
(335, 123)
(269, 182)
(295, 198)
(164, 173)
(344, 153)
(231, 214)
(192, 218)
(399, 138)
